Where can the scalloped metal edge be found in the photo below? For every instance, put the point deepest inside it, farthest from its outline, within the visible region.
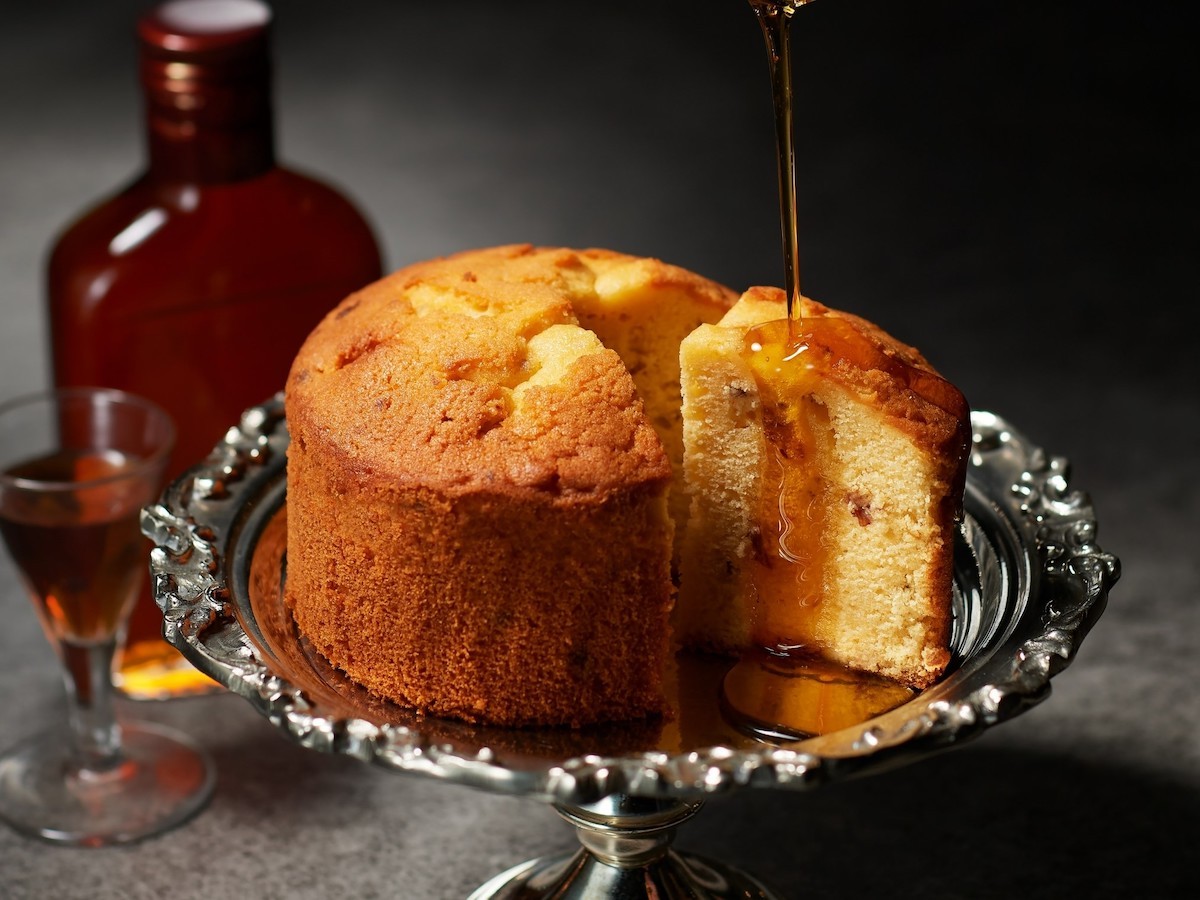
(191, 591)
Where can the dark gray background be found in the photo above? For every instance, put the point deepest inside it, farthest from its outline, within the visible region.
(1009, 186)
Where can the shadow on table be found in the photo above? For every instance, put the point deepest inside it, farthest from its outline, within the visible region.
(975, 823)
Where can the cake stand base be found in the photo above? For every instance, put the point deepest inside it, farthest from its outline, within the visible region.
(626, 855)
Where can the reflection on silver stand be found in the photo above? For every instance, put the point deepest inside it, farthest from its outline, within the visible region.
(626, 855)
(1030, 581)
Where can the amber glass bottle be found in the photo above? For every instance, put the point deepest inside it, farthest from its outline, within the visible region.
(196, 284)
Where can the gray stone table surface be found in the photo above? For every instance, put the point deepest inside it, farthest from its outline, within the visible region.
(1012, 187)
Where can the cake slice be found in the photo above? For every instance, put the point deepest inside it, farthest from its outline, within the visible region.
(825, 470)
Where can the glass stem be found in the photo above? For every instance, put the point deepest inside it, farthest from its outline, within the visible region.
(87, 670)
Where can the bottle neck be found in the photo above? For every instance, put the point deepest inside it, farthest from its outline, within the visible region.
(204, 154)
(208, 124)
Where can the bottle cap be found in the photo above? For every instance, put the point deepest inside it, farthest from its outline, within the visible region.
(204, 40)
(205, 30)
(205, 69)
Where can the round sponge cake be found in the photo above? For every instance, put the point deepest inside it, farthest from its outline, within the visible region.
(478, 520)
(520, 477)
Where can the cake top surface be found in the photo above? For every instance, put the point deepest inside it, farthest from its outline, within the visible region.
(863, 358)
(471, 373)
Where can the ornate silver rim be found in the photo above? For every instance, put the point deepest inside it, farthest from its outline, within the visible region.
(1031, 581)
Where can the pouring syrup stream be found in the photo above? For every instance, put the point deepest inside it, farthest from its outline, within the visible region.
(783, 690)
(775, 17)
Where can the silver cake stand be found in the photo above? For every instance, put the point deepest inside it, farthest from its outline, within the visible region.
(1030, 580)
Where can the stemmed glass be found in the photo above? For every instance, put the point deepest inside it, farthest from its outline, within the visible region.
(76, 467)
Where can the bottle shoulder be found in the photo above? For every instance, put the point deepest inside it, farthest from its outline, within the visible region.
(104, 217)
(281, 222)
(301, 181)
(158, 246)
(279, 189)
(314, 197)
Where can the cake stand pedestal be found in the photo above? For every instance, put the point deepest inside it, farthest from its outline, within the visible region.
(626, 854)
(1030, 580)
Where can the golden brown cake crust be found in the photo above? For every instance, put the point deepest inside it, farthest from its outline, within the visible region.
(425, 393)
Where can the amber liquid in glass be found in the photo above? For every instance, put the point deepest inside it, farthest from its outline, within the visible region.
(80, 551)
(205, 313)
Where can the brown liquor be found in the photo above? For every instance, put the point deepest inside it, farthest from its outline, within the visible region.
(79, 549)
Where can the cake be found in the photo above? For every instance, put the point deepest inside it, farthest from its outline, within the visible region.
(508, 504)
(825, 468)
(478, 519)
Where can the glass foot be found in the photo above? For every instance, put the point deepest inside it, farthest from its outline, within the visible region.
(159, 781)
